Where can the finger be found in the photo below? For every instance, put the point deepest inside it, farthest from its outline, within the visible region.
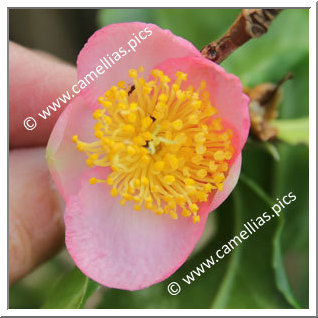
(35, 81)
(36, 229)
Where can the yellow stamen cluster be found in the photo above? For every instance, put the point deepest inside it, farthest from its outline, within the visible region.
(166, 148)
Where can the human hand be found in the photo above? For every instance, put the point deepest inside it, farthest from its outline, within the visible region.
(36, 229)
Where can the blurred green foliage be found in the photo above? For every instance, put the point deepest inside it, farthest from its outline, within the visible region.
(270, 269)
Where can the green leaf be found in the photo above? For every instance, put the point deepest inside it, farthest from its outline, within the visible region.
(278, 263)
(109, 16)
(293, 131)
(280, 273)
(71, 291)
(253, 281)
(292, 238)
(265, 146)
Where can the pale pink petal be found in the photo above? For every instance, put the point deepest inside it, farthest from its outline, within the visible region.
(156, 48)
(65, 162)
(226, 92)
(121, 248)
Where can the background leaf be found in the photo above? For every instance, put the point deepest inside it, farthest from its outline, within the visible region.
(71, 291)
(293, 131)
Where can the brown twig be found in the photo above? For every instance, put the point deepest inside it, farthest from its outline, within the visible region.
(251, 23)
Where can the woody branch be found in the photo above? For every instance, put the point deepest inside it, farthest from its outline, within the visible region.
(251, 23)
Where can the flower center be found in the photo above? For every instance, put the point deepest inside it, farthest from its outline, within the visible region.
(165, 145)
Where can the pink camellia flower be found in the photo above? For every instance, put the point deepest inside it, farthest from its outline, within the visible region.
(144, 153)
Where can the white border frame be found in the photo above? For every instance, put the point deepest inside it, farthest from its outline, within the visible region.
(160, 312)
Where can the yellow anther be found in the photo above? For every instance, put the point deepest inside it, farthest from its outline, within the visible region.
(173, 215)
(177, 124)
(218, 177)
(208, 187)
(133, 73)
(169, 179)
(213, 166)
(216, 124)
(97, 114)
(89, 162)
(145, 159)
(110, 180)
(137, 183)
(107, 104)
(75, 138)
(123, 106)
(219, 186)
(172, 161)
(186, 213)
(200, 149)
(163, 98)
(156, 73)
(210, 112)
(144, 181)
(92, 180)
(219, 155)
(202, 196)
(189, 182)
(107, 119)
(196, 219)
(180, 200)
(161, 107)
(99, 134)
(101, 100)
(147, 90)
(148, 199)
(137, 207)
(172, 204)
(194, 208)
(131, 150)
(138, 140)
(148, 205)
(193, 119)
(98, 126)
(113, 192)
(128, 196)
(132, 117)
(223, 167)
(133, 106)
(129, 129)
(181, 75)
(196, 159)
(202, 173)
(197, 104)
(147, 135)
(228, 155)
(121, 84)
(159, 165)
(199, 137)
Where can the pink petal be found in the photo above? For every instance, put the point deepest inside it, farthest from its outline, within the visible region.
(156, 48)
(121, 248)
(226, 92)
(65, 162)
